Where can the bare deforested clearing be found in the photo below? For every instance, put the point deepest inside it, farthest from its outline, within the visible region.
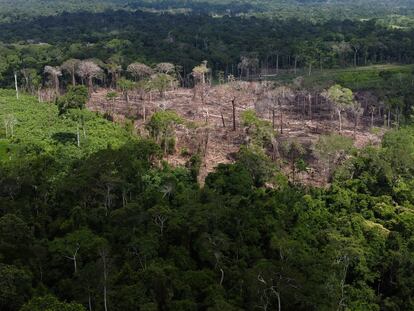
(214, 127)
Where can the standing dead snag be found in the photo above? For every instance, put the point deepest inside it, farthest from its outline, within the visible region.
(277, 98)
(88, 71)
(233, 104)
(104, 254)
(71, 66)
(55, 73)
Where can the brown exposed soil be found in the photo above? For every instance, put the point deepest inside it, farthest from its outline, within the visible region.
(211, 117)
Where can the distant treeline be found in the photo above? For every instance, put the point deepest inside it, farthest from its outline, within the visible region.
(124, 37)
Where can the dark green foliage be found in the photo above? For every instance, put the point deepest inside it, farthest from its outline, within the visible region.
(50, 303)
(75, 98)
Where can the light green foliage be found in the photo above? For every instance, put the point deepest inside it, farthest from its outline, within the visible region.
(162, 82)
(40, 129)
(330, 148)
(161, 128)
(125, 85)
(260, 131)
(342, 97)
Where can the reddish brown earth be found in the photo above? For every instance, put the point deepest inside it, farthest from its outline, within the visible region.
(217, 141)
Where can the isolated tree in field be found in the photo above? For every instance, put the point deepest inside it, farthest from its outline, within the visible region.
(140, 71)
(162, 82)
(126, 86)
(166, 68)
(54, 73)
(71, 66)
(89, 70)
(342, 99)
(200, 77)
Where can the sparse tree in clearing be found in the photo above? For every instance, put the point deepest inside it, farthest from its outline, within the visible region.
(357, 112)
(162, 82)
(342, 99)
(140, 71)
(277, 98)
(71, 66)
(200, 77)
(161, 128)
(54, 73)
(89, 70)
(259, 131)
(394, 105)
(166, 68)
(126, 86)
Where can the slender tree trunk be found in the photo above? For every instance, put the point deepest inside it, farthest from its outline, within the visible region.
(372, 117)
(277, 64)
(105, 277)
(281, 122)
(233, 103)
(16, 85)
(57, 85)
(340, 121)
(296, 64)
(78, 135)
(90, 302)
(310, 107)
(279, 303)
